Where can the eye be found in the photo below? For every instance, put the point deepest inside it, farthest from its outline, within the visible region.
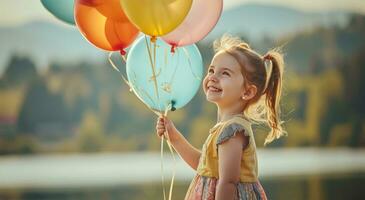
(210, 71)
(226, 73)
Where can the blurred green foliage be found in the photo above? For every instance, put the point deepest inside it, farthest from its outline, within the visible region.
(87, 108)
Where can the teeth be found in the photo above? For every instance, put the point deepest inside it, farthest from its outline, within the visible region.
(213, 89)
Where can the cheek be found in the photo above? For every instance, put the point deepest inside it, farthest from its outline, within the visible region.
(204, 83)
(232, 87)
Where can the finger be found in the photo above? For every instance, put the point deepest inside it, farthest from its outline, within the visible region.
(166, 120)
(161, 130)
(159, 119)
(159, 134)
(160, 126)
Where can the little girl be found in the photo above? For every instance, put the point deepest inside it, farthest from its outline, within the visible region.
(246, 88)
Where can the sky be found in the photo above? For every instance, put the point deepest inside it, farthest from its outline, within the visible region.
(15, 12)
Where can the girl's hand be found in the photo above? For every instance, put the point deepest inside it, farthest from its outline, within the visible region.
(163, 125)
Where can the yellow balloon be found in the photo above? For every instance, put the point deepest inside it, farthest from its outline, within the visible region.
(156, 17)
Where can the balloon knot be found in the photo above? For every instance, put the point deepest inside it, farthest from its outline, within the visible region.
(122, 52)
(173, 48)
(173, 102)
(153, 39)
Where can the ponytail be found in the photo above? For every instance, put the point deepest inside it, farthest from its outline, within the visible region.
(264, 106)
(272, 90)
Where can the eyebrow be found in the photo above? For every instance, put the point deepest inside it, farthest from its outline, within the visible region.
(224, 68)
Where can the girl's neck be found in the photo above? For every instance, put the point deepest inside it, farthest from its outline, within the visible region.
(229, 112)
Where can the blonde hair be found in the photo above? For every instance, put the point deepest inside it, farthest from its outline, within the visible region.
(264, 106)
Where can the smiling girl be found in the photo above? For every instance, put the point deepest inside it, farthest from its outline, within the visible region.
(246, 88)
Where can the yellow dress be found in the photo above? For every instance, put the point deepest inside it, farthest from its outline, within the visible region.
(204, 183)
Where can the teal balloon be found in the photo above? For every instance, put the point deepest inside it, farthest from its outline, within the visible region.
(61, 9)
(178, 75)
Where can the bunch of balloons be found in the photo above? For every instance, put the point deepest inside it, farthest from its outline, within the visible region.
(159, 71)
(164, 66)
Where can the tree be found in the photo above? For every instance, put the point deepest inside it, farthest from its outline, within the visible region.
(40, 108)
(19, 70)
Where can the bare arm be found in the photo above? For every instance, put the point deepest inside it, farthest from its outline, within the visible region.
(229, 154)
(187, 152)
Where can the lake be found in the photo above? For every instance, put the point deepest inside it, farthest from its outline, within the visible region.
(297, 173)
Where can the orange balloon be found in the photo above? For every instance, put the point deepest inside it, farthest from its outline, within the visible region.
(104, 24)
(110, 9)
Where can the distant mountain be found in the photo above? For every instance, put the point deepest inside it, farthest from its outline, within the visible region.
(256, 21)
(44, 41)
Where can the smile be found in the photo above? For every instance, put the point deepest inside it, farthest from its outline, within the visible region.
(214, 89)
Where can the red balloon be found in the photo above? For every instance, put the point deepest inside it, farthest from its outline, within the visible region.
(91, 2)
(104, 24)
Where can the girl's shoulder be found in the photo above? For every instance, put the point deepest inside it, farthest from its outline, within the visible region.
(238, 122)
(233, 126)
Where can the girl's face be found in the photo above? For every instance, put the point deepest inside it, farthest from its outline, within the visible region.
(223, 84)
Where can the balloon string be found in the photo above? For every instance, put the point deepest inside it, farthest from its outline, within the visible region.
(129, 85)
(153, 40)
(153, 62)
(116, 68)
(176, 66)
(168, 139)
(153, 67)
(154, 52)
(173, 156)
(189, 60)
(165, 59)
(162, 171)
(124, 58)
(154, 78)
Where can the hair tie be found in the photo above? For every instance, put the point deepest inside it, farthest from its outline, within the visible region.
(268, 57)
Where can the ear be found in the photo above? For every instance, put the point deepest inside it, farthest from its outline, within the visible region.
(249, 92)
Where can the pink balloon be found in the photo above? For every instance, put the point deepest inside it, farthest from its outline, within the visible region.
(201, 19)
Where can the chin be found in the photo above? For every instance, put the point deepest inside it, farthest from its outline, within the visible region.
(212, 99)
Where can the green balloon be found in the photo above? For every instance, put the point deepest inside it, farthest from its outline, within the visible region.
(61, 9)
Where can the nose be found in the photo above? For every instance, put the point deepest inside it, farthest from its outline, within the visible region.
(212, 77)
